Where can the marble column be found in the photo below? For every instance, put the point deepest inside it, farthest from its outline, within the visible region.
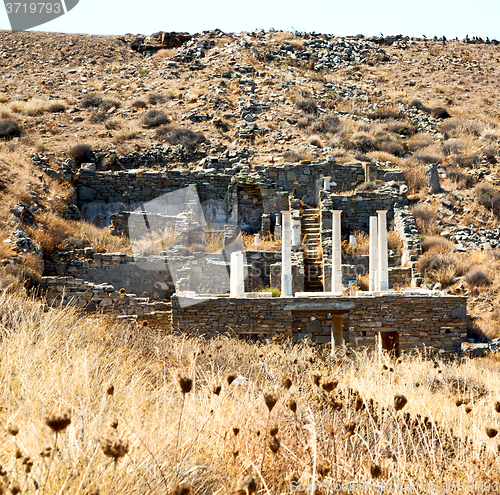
(286, 255)
(373, 279)
(383, 258)
(257, 240)
(326, 183)
(336, 253)
(237, 281)
(277, 228)
(353, 241)
(296, 230)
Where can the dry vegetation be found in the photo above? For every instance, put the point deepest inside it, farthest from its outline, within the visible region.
(133, 412)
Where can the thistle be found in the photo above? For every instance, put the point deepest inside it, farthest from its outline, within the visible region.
(400, 401)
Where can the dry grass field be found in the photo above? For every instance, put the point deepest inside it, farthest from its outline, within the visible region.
(89, 407)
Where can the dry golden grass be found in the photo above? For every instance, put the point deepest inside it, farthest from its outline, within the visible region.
(266, 243)
(208, 430)
(166, 53)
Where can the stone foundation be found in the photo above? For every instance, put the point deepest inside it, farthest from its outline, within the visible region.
(422, 321)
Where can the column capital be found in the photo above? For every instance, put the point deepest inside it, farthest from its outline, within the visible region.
(337, 212)
(382, 212)
(286, 213)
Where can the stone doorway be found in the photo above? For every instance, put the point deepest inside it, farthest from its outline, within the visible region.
(250, 208)
(389, 342)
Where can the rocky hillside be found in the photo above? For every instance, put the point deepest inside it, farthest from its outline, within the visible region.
(268, 96)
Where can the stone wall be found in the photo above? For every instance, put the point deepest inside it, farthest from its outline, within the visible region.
(149, 276)
(424, 320)
(297, 272)
(103, 193)
(406, 227)
(102, 298)
(358, 207)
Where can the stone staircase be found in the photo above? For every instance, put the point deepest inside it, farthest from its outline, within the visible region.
(310, 230)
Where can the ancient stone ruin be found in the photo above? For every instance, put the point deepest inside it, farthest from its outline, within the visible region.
(192, 267)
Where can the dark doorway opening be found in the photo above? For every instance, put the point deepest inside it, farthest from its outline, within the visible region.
(390, 342)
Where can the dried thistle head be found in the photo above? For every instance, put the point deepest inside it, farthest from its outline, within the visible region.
(274, 444)
(18, 454)
(246, 485)
(400, 401)
(274, 431)
(114, 424)
(145, 324)
(216, 389)
(181, 489)
(497, 406)
(349, 426)
(114, 447)
(292, 405)
(335, 405)
(491, 432)
(46, 452)
(329, 385)
(468, 409)
(230, 377)
(15, 487)
(236, 430)
(316, 379)
(323, 467)
(459, 402)
(286, 382)
(110, 389)
(58, 422)
(185, 384)
(375, 470)
(359, 405)
(270, 400)
(27, 464)
(12, 429)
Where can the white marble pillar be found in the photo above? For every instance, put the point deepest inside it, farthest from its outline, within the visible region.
(237, 280)
(296, 230)
(277, 228)
(373, 279)
(336, 253)
(286, 255)
(353, 241)
(383, 258)
(326, 183)
(257, 240)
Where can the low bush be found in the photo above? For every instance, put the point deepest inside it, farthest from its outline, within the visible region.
(453, 146)
(156, 98)
(385, 113)
(108, 104)
(307, 106)
(329, 124)
(113, 124)
(477, 277)
(9, 129)
(489, 197)
(465, 161)
(81, 153)
(98, 118)
(425, 217)
(155, 118)
(186, 137)
(315, 141)
(437, 244)
(139, 103)
(428, 158)
(56, 107)
(90, 101)
(293, 155)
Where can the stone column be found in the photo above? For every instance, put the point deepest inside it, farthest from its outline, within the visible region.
(352, 241)
(237, 281)
(373, 279)
(296, 230)
(336, 253)
(326, 183)
(257, 240)
(337, 329)
(286, 256)
(383, 258)
(277, 228)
